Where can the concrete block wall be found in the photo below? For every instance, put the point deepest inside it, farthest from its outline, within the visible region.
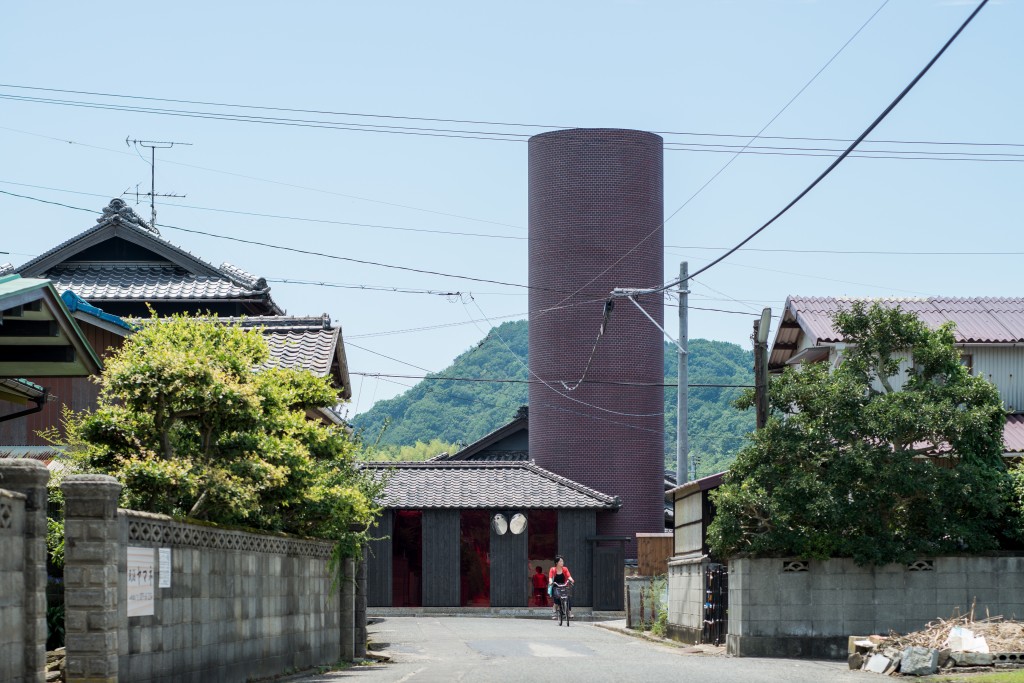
(23, 503)
(12, 586)
(240, 605)
(686, 598)
(775, 612)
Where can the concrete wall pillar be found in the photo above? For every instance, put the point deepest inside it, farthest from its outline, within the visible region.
(361, 571)
(348, 610)
(91, 553)
(29, 478)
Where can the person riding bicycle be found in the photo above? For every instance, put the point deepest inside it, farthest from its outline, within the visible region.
(559, 574)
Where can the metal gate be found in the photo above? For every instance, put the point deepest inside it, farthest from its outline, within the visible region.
(716, 604)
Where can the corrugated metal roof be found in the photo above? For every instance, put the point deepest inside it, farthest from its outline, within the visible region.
(979, 320)
(1013, 434)
(471, 484)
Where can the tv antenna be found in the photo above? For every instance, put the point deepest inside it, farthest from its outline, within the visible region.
(153, 146)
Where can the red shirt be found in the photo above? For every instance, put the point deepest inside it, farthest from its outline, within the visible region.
(539, 581)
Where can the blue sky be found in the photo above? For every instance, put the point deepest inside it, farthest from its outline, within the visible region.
(706, 67)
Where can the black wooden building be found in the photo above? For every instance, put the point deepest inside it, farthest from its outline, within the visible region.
(448, 539)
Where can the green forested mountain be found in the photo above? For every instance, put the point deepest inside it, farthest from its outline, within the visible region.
(465, 411)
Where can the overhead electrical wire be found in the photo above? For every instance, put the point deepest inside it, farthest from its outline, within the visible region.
(282, 183)
(853, 145)
(716, 174)
(296, 250)
(506, 380)
(507, 124)
(490, 135)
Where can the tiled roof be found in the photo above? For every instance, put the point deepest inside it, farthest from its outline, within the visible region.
(1013, 434)
(306, 343)
(149, 282)
(177, 274)
(507, 485)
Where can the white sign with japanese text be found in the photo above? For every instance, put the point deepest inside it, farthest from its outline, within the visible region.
(141, 572)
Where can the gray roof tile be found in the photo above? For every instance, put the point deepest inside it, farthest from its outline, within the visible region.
(471, 484)
(307, 343)
(138, 281)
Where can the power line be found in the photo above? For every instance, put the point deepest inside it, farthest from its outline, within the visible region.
(728, 163)
(296, 250)
(270, 181)
(507, 124)
(505, 380)
(867, 131)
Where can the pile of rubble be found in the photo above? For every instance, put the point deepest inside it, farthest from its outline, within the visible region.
(960, 642)
(55, 665)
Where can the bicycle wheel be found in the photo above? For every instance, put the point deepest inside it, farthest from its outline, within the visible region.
(561, 611)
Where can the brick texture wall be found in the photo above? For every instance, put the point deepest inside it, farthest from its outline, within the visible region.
(595, 215)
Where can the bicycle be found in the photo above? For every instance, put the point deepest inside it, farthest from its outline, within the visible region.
(563, 598)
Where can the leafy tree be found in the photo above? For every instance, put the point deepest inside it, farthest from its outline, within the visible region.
(851, 464)
(191, 429)
(419, 451)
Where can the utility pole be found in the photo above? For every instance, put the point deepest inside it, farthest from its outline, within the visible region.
(761, 328)
(682, 399)
(153, 146)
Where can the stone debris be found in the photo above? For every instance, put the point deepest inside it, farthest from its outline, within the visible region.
(919, 661)
(55, 665)
(943, 644)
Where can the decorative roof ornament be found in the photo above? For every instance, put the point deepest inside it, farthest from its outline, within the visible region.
(6, 268)
(243, 277)
(119, 211)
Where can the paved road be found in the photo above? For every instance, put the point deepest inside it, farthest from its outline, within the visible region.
(426, 649)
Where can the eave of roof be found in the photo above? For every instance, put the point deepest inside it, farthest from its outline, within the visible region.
(20, 390)
(707, 483)
(488, 485)
(15, 291)
(77, 305)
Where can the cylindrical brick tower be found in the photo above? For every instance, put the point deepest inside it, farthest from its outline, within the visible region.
(596, 213)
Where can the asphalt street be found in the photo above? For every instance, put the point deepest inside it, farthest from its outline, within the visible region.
(425, 649)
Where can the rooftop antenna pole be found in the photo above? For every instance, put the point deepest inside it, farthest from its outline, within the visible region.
(153, 146)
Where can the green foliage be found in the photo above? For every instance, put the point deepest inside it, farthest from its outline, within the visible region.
(192, 430)
(659, 606)
(851, 464)
(417, 452)
(465, 411)
(717, 430)
(457, 411)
